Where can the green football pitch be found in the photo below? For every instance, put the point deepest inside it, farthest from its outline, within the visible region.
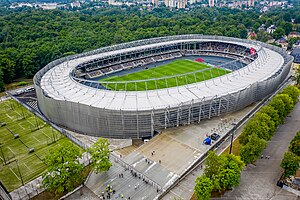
(177, 67)
(33, 133)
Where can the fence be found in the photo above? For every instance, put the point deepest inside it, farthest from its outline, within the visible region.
(61, 130)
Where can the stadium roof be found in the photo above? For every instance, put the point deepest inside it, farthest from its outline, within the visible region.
(57, 83)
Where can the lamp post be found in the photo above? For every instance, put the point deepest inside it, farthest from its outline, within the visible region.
(232, 134)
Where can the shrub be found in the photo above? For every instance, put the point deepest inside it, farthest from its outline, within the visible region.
(22, 83)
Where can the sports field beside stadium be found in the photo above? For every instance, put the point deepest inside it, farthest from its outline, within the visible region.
(33, 133)
(176, 67)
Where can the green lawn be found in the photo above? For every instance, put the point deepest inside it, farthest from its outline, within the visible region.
(176, 67)
(35, 133)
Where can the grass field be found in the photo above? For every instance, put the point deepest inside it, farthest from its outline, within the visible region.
(33, 133)
(174, 68)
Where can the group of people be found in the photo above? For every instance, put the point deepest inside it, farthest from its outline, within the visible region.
(266, 157)
(109, 191)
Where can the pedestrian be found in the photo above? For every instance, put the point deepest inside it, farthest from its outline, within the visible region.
(262, 156)
(159, 161)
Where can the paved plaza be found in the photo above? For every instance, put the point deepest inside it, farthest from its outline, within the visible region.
(155, 165)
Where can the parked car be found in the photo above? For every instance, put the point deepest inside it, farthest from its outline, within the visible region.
(215, 136)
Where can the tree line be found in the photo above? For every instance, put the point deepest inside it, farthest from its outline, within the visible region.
(262, 126)
(31, 38)
(222, 172)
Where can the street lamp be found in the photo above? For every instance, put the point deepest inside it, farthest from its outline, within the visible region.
(232, 134)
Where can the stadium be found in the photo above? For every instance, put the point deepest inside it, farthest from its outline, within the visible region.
(136, 89)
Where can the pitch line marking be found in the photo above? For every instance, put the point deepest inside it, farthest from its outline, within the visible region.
(14, 173)
(11, 150)
(36, 139)
(18, 113)
(30, 122)
(9, 116)
(46, 134)
(22, 127)
(27, 167)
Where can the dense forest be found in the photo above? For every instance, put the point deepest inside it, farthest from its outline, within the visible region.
(31, 38)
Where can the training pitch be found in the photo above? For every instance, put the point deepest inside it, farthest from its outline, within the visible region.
(164, 76)
(20, 130)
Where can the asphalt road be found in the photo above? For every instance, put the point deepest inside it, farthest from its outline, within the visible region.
(259, 181)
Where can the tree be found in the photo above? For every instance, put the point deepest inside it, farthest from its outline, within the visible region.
(2, 87)
(229, 175)
(233, 162)
(64, 169)
(224, 170)
(214, 163)
(287, 27)
(229, 178)
(295, 144)
(279, 106)
(252, 150)
(290, 164)
(288, 103)
(203, 188)
(256, 26)
(100, 155)
(292, 91)
(269, 110)
(262, 36)
(260, 125)
(278, 33)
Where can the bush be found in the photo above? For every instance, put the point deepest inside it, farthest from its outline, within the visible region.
(221, 173)
(290, 164)
(269, 110)
(292, 91)
(295, 144)
(203, 188)
(252, 150)
(22, 83)
(261, 125)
